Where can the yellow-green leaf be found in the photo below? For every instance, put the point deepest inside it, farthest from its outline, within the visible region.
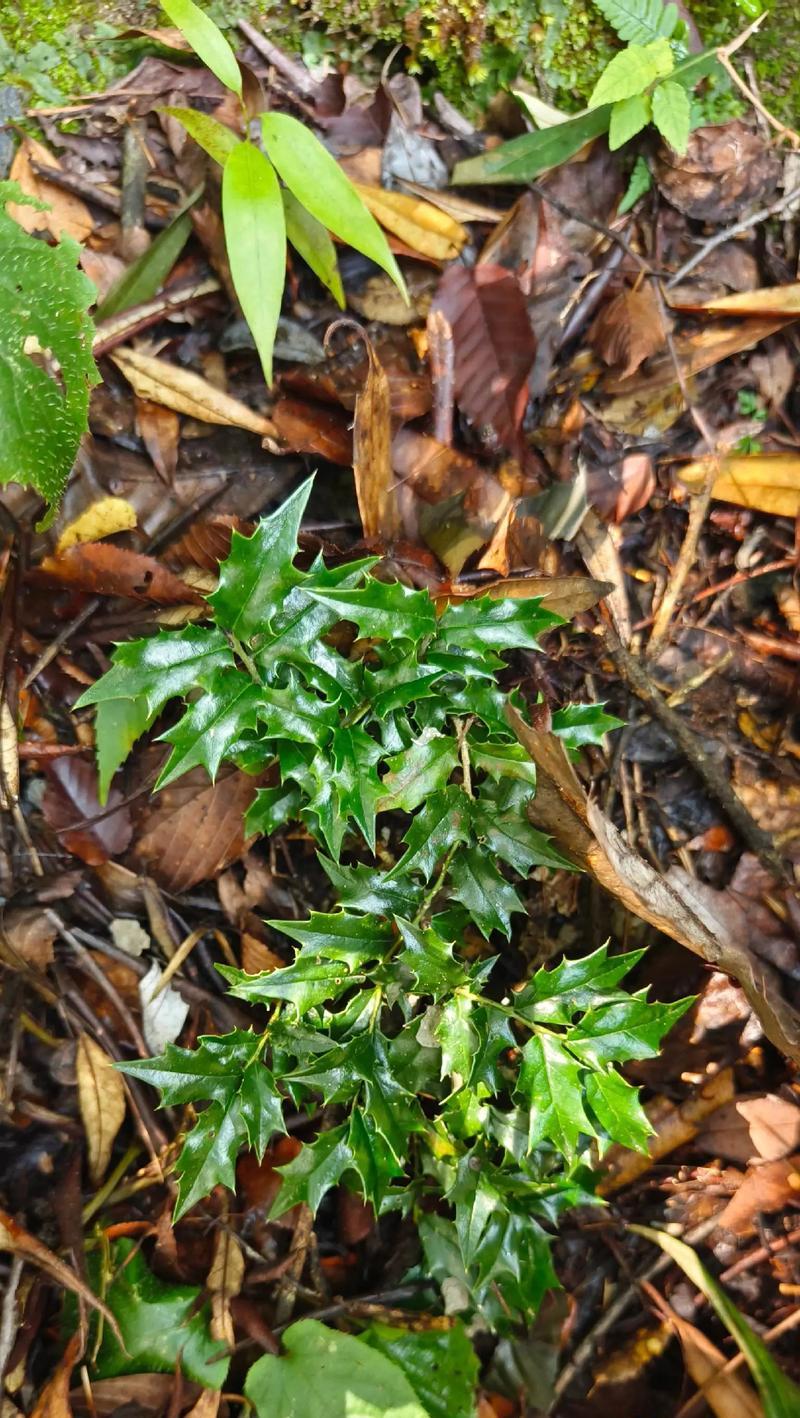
(312, 241)
(255, 235)
(213, 137)
(207, 41)
(672, 114)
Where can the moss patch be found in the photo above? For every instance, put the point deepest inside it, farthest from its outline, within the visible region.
(775, 47)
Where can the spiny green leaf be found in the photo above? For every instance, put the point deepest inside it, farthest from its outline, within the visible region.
(215, 138)
(271, 808)
(430, 959)
(672, 114)
(261, 1106)
(550, 1080)
(386, 610)
(312, 241)
(209, 1153)
(581, 724)
(440, 1364)
(477, 883)
(355, 777)
(630, 1029)
(443, 821)
(44, 297)
(556, 994)
(616, 1106)
(399, 685)
(164, 667)
(361, 888)
(293, 713)
(373, 1159)
(315, 178)
(118, 723)
(514, 839)
(417, 772)
(353, 940)
(640, 182)
(207, 41)
(255, 237)
(639, 21)
(304, 984)
(503, 760)
(628, 117)
(326, 1374)
(212, 1070)
(298, 620)
(319, 1165)
(227, 708)
(503, 625)
(458, 1038)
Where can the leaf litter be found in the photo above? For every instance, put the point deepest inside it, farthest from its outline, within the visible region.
(535, 346)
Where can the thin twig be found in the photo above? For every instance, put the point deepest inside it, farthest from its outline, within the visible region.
(8, 1315)
(600, 227)
(736, 230)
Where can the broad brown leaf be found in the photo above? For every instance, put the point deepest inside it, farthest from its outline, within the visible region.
(628, 330)
(53, 1401)
(107, 570)
(194, 829)
(101, 1095)
(31, 933)
(494, 346)
(313, 428)
(71, 798)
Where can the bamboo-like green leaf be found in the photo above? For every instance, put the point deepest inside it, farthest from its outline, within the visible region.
(207, 41)
(312, 241)
(148, 272)
(780, 1397)
(315, 178)
(215, 138)
(255, 235)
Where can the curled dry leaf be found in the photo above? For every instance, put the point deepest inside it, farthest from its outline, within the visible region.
(726, 169)
(101, 1095)
(30, 933)
(53, 1401)
(728, 1395)
(71, 798)
(372, 454)
(65, 212)
(159, 429)
(9, 755)
(300, 427)
(565, 595)
(223, 1283)
(195, 828)
(186, 393)
(765, 1127)
(770, 300)
(628, 330)
(107, 570)
(100, 519)
(494, 345)
(423, 227)
(768, 1187)
(767, 482)
(19, 1242)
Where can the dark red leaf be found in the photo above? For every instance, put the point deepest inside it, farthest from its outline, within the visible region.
(107, 570)
(72, 808)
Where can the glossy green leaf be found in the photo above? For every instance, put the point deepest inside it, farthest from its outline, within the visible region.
(315, 178)
(164, 667)
(418, 771)
(226, 709)
(580, 724)
(271, 808)
(478, 884)
(630, 1029)
(458, 1038)
(312, 241)
(207, 41)
(524, 158)
(504, 625)
(118, 723)
(555, 994)
(326, 1374)
(259, 570)
(441, 823)
(430, 959)
(338, 935)
(209, 1153)
(44, 299)
(550, 1080)
(616, 1106)
(672, 114)
(384, 609)
(215, 138)
(318, 1166)
(361, 888)
(503, 760)
(440, 1364)
(306, 983)
(163, 1326)
(355, 777)
(255, 237)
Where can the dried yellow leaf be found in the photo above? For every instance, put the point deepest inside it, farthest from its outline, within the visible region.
(103, 518)
(419, 224)
(187, 393)
(101, 1096)
(766, 482)
(223, 1283)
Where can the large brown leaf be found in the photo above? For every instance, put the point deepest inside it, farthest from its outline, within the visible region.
(72, 808)
(194, 828)
(107, 570)
(494, 345)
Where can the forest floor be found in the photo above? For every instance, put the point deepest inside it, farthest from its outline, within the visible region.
(640, 469)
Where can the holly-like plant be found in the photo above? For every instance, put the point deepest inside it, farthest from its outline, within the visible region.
(430, 1089)
(284, 185)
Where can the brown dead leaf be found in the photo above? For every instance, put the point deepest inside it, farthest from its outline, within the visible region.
(628, 330)
(19, 1242)
(31, 933)
(186, 393)
(494, 345)
(423, 227)
(728, 1395)
(207, 1405)
(151, 1394)
(71, 798)
(100, 519)
(770, 300)
(206, 543)
(710, 923)
(65, 212)
(9, 755)
(726, 168)
(565, 595)
(257, 958)
(768, 1187)
(194, 829)
(300, 427)
(159, 429)
(223, 1283)
(765, 1127)
(53, 1401)
(101, 1095)
(108, 570)
(372, 457)
(767, 482)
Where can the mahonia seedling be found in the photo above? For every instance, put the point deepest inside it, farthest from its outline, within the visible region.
(431, 1085)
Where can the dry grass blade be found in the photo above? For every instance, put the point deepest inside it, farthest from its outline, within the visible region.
(101, 1095)
(726, 1394)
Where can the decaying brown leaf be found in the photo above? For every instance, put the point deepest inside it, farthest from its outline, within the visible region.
(703, 920)
(64, 211)
(223, 1283)
(423, 227)
(31, 933)
(765, 1127)
(767, 482)
(159, 429)
(195, 828)
(301, 427)
(728, 1395)
(372, 454)
(19, 1242)
(726, 168)
(106, 570)
(101, 1095)
(564, 595)
(628, 330)
(186, 393)
(769, 300)
(72, 808)
(494, 345)
(53, 1401)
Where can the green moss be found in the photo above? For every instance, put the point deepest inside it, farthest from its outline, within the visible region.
(775, 48)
